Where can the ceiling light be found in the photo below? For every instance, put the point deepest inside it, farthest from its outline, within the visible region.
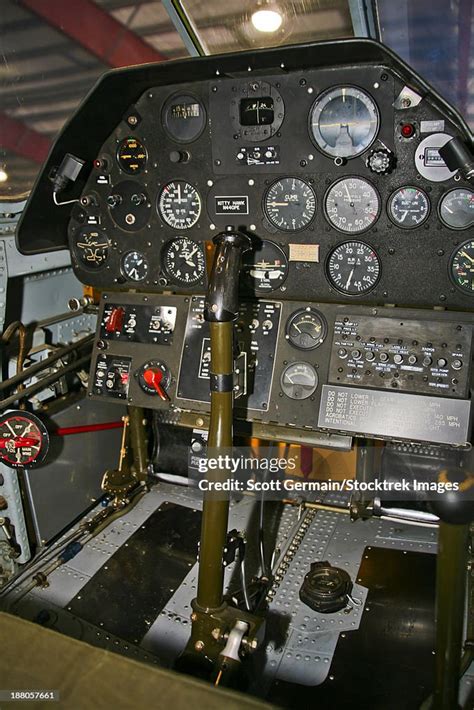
(267, 20)
(3, 175)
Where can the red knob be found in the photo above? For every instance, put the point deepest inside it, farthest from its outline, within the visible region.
(154, 377)
(115, 320)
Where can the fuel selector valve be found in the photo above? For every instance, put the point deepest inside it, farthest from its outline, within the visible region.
(154, 378)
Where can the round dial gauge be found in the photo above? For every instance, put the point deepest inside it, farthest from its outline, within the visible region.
(456, 208)
(290, 204)
(306, 329)
(353, 268)
(24, 440)
(134, 266)
(179, 205)
(344, 121)
(131, 155)
(352, 205)
(184, 117)
(462, 267)
(408, 207)
(299, 380)
(91, 247)
(265, 268)
(183, 261)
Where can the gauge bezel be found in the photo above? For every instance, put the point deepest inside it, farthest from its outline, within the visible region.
(172, 278)
(337, 288)
(124, 170)
(168, 101)
(159, 210)
(287, 367)
(76, 251)
(300, 312)
(122, 266)
(328, 219)
(392, 197)
(450, 267)
(45, 439)
(266, 213)
(249, 284)
(318, 99)
(441, 200)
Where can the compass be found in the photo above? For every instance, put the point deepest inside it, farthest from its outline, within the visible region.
(24, 439)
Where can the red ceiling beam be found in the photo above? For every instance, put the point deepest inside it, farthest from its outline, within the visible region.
(16, 137)
(95, 30)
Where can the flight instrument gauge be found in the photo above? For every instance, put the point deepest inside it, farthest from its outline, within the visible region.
(352, 205)
(462, 267)
(24, 439)
(179, 205)
(91, 246)
(184, 117)
(131, 155)
(290, 204)
(456, 208)
(408, 207)
(353, 268)
(299, 380)
(265, 267)
(183, 261)
(344, 121)
(306, 329)
(134, 266)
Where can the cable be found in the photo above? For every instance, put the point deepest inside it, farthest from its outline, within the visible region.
(65, 202)
(243, 575)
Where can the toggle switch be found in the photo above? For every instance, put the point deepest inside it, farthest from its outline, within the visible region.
(115, 320)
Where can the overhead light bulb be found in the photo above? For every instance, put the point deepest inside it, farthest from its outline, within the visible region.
(267, 20)
(3, 175)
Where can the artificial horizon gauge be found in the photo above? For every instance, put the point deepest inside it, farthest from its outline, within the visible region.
(24, 439)
(183, 261)
(290, 204)
(265, 267)
(408, 207)
(456, 208)
(131, 155)
(179, 204)
(461, 267)
(353, 268)
(91, 246)
(134, 266)
(306, 329)
(183, 117)
(352, 205)
(344, 121)
(299, 380)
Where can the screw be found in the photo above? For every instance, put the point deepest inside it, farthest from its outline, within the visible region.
(132, 120)
(199, 645)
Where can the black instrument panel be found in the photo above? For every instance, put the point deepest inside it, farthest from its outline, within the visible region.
(321, 167)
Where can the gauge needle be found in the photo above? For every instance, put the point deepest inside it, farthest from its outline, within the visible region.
(10, 427)
(295, 326)
(350, 279)
(463, 253)
(404, 215)
(348, 193)
(278, 204)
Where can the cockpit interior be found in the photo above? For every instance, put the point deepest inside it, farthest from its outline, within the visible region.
(237, 297)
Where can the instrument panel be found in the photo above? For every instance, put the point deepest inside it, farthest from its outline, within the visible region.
(340, 186)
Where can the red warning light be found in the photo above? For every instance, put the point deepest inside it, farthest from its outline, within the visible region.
(408, 130)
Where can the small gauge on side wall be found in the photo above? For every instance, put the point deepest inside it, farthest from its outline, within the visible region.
(461, 267)
(299, 380)
(134, 266)
(456, 208)
(306, 329)
(290, 204)
(131, 155)
(408, 207)
(183, 261)
(24, 440)
(265, 268)
(353, 268)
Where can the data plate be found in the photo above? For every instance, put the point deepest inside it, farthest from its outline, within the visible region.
(395, 415)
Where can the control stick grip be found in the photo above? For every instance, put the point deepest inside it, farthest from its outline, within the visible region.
(222, 300)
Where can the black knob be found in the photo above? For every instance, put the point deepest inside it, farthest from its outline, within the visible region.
(381, 161)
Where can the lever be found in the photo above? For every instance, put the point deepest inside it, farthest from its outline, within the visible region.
(153, 377)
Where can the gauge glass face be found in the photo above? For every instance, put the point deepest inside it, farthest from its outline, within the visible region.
(179, 205)
(408, 207)
(352, 205)
(306, 329)
(256, 112)
(456, 208)
(290, 204)
(183, 261)
(462, 267)
(344, 121)
(92, 248)
(131, 155)
(184, 118)
(24, 439)
(265, 268)
(353, 268)
(134, 266)
(299, 380)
